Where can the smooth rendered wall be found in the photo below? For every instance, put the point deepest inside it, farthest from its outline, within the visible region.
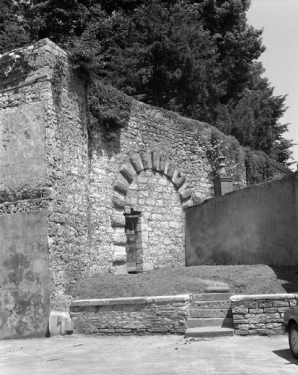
(24, 276)
(256, 225)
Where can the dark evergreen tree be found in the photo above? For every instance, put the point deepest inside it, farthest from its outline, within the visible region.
(198, 58)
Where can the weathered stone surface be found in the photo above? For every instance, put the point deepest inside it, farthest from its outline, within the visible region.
(119, 237)
(178, 179)
(121, 186)
(133, 316)
(260, 314)
(146, 157)
(137, 163)
(119, 201)
(85, 180)
(60, 323)
(162, 164)
(160, 238)
(117, 219)
(155, 160)
(127, 172)
(185, 194)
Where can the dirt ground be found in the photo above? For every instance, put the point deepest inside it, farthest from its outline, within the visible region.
(147, 355)
(242, 279)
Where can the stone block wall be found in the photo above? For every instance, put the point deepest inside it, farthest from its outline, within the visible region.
(44, 154)
(260, 314)
(159, 164)
(131, 316)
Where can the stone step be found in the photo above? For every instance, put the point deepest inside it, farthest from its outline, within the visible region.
(217, 289)
(210, 313)
(210, 322)
(225, 304)
(205, 332)
(211, 296)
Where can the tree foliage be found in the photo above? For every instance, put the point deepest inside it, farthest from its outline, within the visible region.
(197, 58)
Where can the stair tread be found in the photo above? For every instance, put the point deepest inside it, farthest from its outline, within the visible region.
(217, 289)
(210, 318)
(209, 329)
(209, 322)
(208, 332)
(205, 314)
(211, 296)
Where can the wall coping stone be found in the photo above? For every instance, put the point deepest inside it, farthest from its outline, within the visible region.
(130, 300)
(252, 297)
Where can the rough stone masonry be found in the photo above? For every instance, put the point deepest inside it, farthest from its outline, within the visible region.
(112, 204)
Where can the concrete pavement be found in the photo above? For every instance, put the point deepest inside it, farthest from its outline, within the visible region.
(165, 355)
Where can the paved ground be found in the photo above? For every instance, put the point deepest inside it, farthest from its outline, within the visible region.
(158, 355)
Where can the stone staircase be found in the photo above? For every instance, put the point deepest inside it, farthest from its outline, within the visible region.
(210, 312)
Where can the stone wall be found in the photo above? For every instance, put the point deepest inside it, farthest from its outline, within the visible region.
(260, 314)
(131, 316)
(44, 154)
(255, 225)
(159, 164)
(53, 157)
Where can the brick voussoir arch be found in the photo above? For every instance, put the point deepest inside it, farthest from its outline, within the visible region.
(149, 160)
(139, 162)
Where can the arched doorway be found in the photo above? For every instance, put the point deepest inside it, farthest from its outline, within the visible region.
(151, 186)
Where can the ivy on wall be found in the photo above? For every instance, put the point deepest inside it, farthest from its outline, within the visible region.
(108, 108)
(258, 167)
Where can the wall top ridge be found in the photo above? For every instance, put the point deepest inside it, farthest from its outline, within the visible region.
(31, 64)
(35, 46)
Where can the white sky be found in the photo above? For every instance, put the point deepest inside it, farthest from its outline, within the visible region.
(279, 18)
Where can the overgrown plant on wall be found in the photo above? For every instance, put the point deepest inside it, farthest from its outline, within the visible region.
(229, 148)
(258, 167)
(108, 108)
(14, 68)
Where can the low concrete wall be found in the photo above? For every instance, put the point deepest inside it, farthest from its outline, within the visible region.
(131, 316)
(260, 314)
(255, 225)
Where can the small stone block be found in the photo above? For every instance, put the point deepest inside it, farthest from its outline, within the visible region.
(118, 220)
(127, 172)
(178, 179)
(162, 163)
(121, 187)
(171, 170)
(185, 194)
(60, 323)
(118, 201)
(147, 159)
(155, 160)
(137, 163)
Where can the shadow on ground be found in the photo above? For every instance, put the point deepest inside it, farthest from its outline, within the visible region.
(286, 354)
(288, 277)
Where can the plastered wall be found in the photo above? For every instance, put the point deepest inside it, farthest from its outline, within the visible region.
(255, 225)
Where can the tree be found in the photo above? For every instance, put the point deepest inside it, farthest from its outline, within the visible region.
(14, 28)
(195, 57)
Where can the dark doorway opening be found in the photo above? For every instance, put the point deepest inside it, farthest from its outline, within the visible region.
(131, 231)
